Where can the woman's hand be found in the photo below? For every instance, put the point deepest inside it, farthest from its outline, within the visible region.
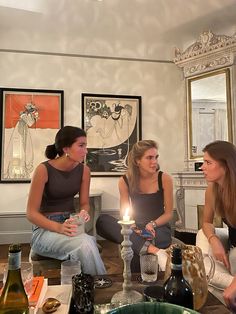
(133, 227)
(68, 227)
(149, 227)
(219, 251)
(229, 295)
(85, 215)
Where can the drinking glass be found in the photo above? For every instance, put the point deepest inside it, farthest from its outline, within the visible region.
(68, 270)
(26, 275)
(149, 267)
(79, 221)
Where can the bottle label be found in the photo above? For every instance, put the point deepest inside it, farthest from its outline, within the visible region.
(14, 260)
(176, 266)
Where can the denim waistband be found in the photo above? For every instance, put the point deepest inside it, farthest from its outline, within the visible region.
(55, 217)
(59, 217)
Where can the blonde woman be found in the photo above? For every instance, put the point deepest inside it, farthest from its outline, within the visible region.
(148, 192)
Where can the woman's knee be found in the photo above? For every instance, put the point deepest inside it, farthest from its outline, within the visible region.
(104, 220)
(108, 228)
(85, 246)
(202, 242)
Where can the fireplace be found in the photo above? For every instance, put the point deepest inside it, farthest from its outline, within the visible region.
(190, 189)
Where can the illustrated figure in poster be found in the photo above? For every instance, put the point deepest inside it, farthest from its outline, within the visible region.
(19, 155)
(110, 124)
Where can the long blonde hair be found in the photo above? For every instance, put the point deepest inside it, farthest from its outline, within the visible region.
(136, 153)
(225, 195)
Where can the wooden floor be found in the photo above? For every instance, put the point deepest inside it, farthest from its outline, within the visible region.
(110, 256)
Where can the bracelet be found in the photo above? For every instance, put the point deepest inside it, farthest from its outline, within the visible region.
(153, 223)
(211, 236)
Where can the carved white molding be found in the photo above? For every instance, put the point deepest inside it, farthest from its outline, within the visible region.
(186, 180)
(190, 180)
(209, 52)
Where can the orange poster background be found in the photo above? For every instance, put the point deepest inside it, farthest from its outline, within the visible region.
(48, 107)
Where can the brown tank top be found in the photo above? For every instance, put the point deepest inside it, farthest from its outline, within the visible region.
(147, 206)
(60, 189)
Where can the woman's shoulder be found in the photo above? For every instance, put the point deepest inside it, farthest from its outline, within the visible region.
(42, 166)
(124, 179)
(85, 168)
(165, 175)
(166, 179)
(41, 171)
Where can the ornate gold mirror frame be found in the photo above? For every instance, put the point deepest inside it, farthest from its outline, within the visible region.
(208, 67)
(209, 110)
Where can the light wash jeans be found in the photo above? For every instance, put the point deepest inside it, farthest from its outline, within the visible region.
(55, 245)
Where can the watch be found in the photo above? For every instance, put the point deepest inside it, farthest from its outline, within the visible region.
(154, 225)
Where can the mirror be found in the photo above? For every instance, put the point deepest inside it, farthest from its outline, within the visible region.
(209, 110)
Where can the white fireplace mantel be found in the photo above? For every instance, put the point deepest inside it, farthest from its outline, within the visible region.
(190, 189)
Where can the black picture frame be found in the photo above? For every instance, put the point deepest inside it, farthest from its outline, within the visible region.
(113, 125)
(30, 119)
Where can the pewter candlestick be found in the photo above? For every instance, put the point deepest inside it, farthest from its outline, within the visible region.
(127, 295)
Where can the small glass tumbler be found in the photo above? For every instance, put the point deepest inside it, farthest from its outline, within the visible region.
(149, 267)
(79, 221)
(68, 270)
(83, 293)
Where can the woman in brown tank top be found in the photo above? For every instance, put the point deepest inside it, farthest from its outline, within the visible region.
(51, 201)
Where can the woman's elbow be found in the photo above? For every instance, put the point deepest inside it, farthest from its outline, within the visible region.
(29, 214)
(170, 215)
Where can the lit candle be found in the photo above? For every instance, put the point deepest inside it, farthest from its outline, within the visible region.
(126, 216)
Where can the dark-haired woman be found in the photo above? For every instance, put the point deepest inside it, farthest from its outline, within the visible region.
(51, 201)
(219, 168)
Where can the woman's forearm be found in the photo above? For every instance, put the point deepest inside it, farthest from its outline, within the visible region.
(163, 219)
(43, 222)
(208, 229)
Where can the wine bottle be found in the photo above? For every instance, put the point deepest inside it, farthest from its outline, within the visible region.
(176, 288)
(13, 299)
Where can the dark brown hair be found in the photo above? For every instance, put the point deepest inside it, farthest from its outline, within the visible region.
(65, 137)
(225, 196)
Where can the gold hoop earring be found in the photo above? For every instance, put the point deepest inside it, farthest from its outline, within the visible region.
(67, 155)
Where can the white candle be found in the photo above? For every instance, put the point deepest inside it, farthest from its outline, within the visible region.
(126, 216)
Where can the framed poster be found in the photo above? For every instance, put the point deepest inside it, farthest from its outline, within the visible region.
(113, 125)
(30, 119)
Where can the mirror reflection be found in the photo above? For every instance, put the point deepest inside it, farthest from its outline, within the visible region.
(209, 110)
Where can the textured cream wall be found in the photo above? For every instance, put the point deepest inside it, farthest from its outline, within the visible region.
(160, 85)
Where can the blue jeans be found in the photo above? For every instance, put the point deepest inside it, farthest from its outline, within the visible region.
(82, 247)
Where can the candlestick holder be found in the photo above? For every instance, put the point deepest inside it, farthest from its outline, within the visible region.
(127, 295)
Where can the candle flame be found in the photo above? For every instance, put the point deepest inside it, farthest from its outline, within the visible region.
(127, 211)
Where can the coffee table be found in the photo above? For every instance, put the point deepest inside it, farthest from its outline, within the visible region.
(104, 295)
(213, 304)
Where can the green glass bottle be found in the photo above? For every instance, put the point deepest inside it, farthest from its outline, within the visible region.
(177, 290)
(13, 299)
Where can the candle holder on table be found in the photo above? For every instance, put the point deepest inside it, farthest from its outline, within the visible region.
(127, 295)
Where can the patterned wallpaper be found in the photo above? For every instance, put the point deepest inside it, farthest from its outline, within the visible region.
(163, 105)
